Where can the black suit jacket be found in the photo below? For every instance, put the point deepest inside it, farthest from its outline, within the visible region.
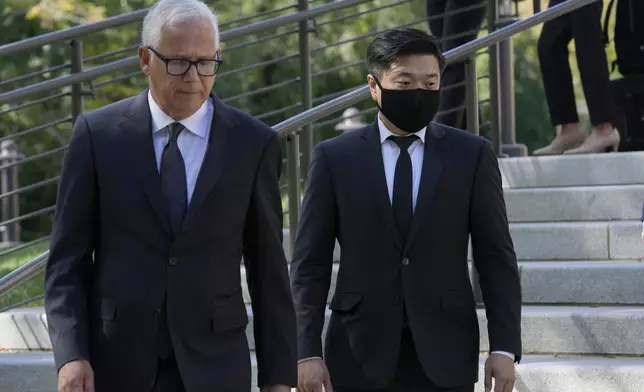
(346, 197)
(103, 307)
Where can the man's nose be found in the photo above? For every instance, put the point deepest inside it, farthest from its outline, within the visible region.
(192, 74)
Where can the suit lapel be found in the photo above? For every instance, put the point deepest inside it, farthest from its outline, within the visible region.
(432, 168)
(223, 121)
(375, 169)
(136, 133)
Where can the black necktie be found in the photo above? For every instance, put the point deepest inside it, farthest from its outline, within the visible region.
(173, 179)
(402, 203)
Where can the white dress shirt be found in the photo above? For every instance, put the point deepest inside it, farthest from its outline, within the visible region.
(192, 141)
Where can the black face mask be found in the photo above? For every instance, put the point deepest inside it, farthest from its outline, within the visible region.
(409, 110)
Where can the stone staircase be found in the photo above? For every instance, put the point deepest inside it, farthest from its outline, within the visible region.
(576, 230)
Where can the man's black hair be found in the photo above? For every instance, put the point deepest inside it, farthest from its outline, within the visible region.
(393, 44)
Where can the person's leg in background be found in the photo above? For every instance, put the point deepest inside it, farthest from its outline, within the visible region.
(595, 79)
(558, 85)
(455, 29)
(435, 10)
(557, 76)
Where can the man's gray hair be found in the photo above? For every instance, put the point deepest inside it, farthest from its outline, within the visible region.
(169, 13)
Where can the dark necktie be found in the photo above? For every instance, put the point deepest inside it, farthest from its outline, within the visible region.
(173, 179)
(402, 203)
(174, 188)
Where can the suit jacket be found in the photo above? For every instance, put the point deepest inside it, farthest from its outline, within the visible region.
(104, 307)
(346, 198)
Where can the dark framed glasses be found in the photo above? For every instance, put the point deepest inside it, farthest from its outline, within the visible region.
(180, 67)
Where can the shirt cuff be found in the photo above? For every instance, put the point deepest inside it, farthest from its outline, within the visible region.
(507, 354)
(307, 359)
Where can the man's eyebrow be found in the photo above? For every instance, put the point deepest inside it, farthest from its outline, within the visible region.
(409, 74)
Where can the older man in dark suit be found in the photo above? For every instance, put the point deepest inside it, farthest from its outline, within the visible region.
(160, 195)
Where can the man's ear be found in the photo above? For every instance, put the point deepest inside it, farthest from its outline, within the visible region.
(144, 59)
(373, 87)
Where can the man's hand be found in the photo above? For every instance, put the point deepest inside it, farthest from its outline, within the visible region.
(500, 368)
(76, 376)
(642, 232)
(276, 388)
(313, 376)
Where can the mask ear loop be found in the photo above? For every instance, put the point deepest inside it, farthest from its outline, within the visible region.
(375, 79)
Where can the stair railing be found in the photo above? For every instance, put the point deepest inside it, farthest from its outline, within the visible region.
(294, 125)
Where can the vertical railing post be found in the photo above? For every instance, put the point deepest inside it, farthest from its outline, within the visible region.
(305, 29)
(472, 110)
(509, 144)
(77, 89)
(293, 169)
(495, 90)
(472, 95)
(9, 154)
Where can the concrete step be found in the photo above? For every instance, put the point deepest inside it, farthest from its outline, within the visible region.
(605, 240)
(573, 282)
(567, 282)
(546, 330)
(576, 374)
(578, 240)
(573, 170)
(591, 203)
(556, 330)
(562, 283)
(34, 372)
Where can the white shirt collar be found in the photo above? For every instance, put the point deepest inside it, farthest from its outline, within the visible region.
(196, 124)
(385, 132)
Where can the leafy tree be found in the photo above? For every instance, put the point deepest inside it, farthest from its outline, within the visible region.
(251, 77)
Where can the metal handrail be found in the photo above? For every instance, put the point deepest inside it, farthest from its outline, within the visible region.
(132, 62)
(23, 273)
(80, 31)
(462, 52)
(72, 32)
(295, 123)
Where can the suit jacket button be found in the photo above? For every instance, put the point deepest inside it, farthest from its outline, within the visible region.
(173, 261)
(405, 261)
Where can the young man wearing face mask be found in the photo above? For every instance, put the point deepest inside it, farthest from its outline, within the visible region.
(402, 196)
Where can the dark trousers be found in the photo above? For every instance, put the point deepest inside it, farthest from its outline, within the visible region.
(454, 30)
(168, 377)
(584, 26)
(410, 376)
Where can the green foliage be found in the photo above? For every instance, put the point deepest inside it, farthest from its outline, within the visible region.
(29, 289)
(251, 77)
(533, 130)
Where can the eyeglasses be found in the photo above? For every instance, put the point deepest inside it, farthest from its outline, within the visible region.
(180, 67)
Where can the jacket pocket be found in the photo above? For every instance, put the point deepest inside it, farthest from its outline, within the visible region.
(457, 299)
(229, 317)
(345, 303)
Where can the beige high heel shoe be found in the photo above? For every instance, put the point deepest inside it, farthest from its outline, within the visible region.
(563, 141)
(595, 143)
